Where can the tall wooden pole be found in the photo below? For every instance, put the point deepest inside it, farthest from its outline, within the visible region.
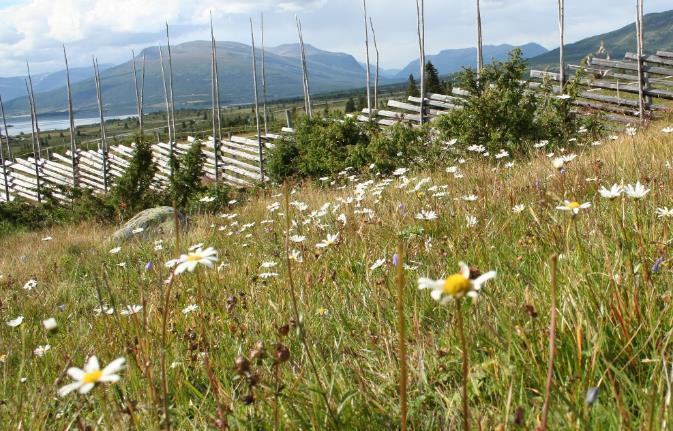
(639, 50)
(103, 135)
(368, 73)
(71, 118)
(35, 134)
(480, 43)
(33, 108)
(139, 101)
(376, 78)
(307, 88)
(254, 83)
(215, 91)
(561, 25)
(3, 162)
(4, 122)
(266, 115)
(168, 112)
(420, 21)
(170, 86)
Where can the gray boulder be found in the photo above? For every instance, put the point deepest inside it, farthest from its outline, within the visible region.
(157, 221)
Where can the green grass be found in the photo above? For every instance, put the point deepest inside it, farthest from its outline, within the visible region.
(614, 312)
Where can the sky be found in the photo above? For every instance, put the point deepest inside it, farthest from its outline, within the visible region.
(35, 30)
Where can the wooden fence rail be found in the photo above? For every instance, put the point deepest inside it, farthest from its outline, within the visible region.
(28, 178)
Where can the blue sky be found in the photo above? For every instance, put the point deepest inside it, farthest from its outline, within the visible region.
(35, 29)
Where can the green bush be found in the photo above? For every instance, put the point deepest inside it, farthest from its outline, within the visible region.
(319, 147)
(186, 182)
(502, 112)
(133, 192)
(399, 145)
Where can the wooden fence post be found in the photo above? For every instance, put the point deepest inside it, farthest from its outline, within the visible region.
(35, 135)
(639, 54)
(288, 118)
(3, 161)
(215, 90)
(71, 117)
(561, 24)
(480, 54)
(420, 24)
(103, 135)
(266, 115)
(376, 76)
(368, 72)
(254, 83)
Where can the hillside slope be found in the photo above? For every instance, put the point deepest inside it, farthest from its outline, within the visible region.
(453, 60)
(328, 71)
(658, 36)
(312, 342)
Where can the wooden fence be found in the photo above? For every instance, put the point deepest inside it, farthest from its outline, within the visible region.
(31, 178)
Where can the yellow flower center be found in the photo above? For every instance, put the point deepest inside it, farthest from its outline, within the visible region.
(573, 205)
(193, 258)
(456, 284)
(92, 377)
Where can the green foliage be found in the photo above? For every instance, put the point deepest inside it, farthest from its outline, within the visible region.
(21, 215)
(502, 112)
(412, 88)
(213, 198)
(399, 145)
(187, 176)
(132, 192)
(325, 147)
(350, 106)
(432, 83)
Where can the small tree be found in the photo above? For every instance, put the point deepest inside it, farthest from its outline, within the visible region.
(412, 88)
(187, 173)
(432, 83)
(350, 106)
(132, 192)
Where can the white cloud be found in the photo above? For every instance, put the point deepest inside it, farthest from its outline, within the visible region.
(35, 29)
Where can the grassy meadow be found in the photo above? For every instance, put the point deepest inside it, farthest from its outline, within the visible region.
(263, 341)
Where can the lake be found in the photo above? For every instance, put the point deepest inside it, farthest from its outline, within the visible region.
(16, 125)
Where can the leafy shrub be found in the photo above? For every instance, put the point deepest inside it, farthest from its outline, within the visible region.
(503, 113)
(399, 145)
(319, 147)
(133, 191)
(187, 176)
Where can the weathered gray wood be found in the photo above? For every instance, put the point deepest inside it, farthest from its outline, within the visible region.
(561, 24)
(35, 135)
(168, 107)
(631, 66)
(667, 54)
(215, 102)
(376, 75)
(433, 102)
(480, 55)
(71, 121)
(420, 22)
(615, 86)
(650, 59)
(254, 80)
(103, 134)
(396, 115)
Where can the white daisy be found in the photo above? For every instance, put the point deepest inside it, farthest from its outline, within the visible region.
(189, 262)
(456, 285)
(15, 322)
(636, 191)
(87, 378)
(613, 192)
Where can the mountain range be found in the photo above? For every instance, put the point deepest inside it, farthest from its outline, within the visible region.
(15, 86)
(328, 71)
(658, 36)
